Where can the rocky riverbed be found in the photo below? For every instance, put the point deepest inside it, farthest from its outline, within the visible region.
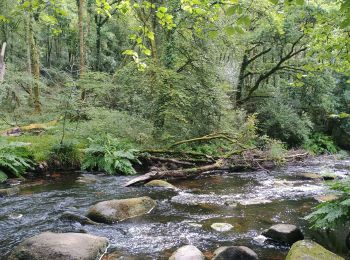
(240, 205)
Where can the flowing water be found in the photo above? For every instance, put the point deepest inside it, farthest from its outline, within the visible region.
(250, 201)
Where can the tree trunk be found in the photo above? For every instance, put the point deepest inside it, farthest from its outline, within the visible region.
(35, 67)
(240, 84)
(2, 62)
(81, 42)
(98, 47)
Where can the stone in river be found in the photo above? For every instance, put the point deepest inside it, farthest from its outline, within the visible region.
(234, 253)
(221, 227)
(187, 252)
(60, 246)
(112, 211)
(310, 250)
(284, 233)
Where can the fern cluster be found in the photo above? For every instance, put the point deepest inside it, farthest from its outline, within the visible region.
(109, 155)
(15, 159)
(332, 213)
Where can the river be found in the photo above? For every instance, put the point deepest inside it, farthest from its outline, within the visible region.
(250, 201)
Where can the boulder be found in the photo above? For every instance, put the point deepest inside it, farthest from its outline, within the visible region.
(64, 246)
(188, 252)
(234, 253)
(221, 227)
(309, 250)
(284, 233)
(112, 211)
(160, 183)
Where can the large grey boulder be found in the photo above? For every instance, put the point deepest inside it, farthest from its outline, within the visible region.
(310, 250)
(188, 252)
(64, 246)
(234, 253)
(112, 211)
(284, 233)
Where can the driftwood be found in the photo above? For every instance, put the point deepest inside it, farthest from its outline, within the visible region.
(190, 164)
(178, 174)
(2, 62)
(177, 164)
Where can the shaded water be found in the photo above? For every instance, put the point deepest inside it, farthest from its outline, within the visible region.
(250, 201)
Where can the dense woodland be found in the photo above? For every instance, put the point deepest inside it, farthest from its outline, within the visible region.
(96, 83)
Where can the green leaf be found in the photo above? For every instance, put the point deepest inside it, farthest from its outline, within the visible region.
(162, 9)
(229, 30)
(213, 34)
(231, 10)
(3, 176)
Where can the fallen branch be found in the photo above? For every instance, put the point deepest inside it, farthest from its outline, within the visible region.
(183, 173)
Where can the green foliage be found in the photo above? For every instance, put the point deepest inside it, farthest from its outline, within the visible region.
(15, 159)
(109, 155)
(320, 143)
(281, 121)
(64, 156)
(275, 150)
(333, 213)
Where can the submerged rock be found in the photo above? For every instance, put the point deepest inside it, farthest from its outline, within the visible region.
(64, 246)
(112, 211)
(255, 201)
(87, 179)
(221, 227)
(188, 252)
(234, 253)
(284, 233)
(310, 250)
(15, 216)
(324, 198)
(160, 183)
(310, 176)
(70, 216)
(9, 191)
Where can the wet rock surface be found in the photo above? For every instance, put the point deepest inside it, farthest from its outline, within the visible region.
(117, 210)
(64, 246)
(310, 250)
(188, 252)
(235, 253)
(284, 233)
(161, 184)
(221, 227)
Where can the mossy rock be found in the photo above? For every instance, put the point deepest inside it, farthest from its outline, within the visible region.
(310, 250)
(160, 183)
(112, 211)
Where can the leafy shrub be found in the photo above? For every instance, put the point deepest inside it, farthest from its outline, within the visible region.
(15, 159)
(281, 121)
(64, 156)
(109, 155)
(117, 124)
(275, 150)
(319, 143)
(332, 213)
